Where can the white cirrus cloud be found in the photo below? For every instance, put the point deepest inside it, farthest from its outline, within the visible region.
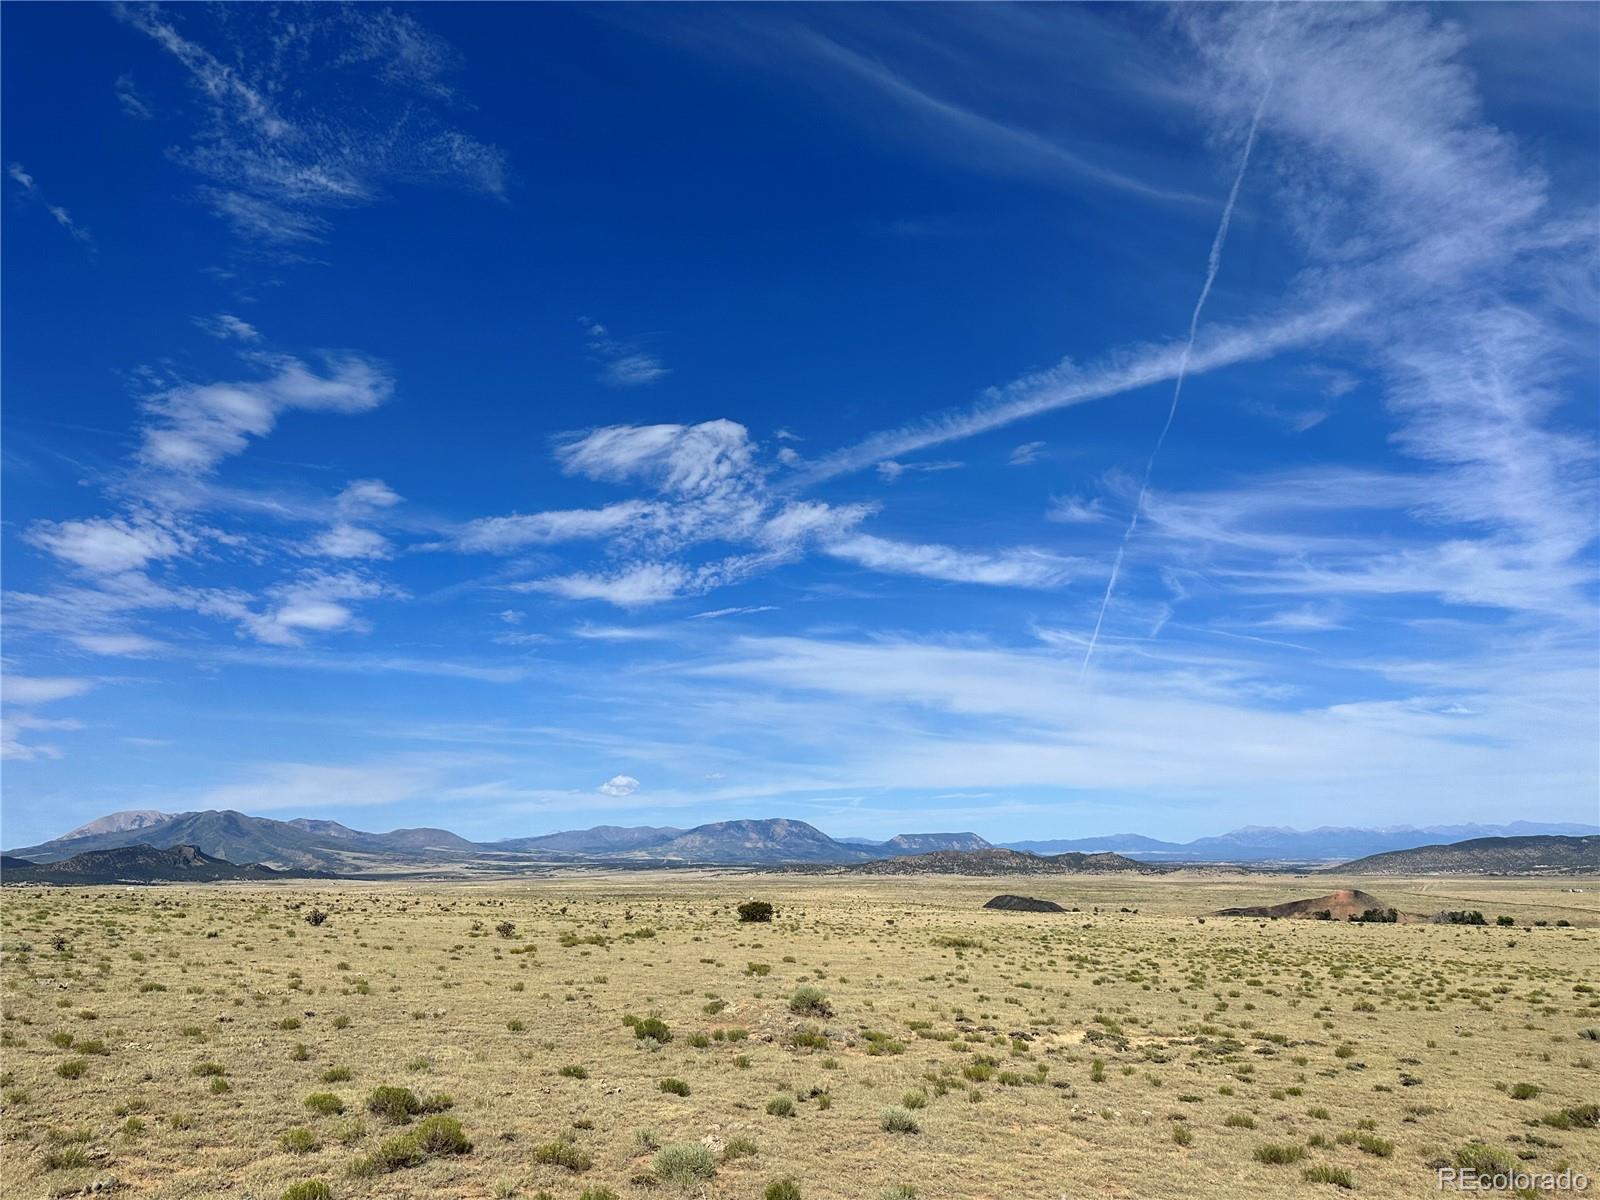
(110, 545)
(1019, 567)
(192, 427)
(41, 689)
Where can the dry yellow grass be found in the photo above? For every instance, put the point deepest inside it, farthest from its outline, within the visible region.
(1036, 1055)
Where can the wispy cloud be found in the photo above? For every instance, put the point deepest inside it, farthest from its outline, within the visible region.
(623, 362)
(1021, 567)
(227, 327)
(191, 427)
(128, 97)
(28, 187)
(277, 158)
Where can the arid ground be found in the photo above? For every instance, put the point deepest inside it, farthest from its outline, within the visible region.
(624, 1034)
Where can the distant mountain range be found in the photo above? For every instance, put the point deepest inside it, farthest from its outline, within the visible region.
(311, 845)
(1487, 856)
(303, 844)
(139, 864)
(1257, 843)
(996, 861)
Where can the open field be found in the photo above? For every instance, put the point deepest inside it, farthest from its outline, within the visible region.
(881, 1033)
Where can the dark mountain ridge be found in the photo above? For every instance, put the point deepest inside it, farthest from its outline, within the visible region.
(140, 864)
(1487, 856)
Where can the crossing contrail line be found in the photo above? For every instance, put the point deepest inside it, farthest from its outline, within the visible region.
(1213, 264)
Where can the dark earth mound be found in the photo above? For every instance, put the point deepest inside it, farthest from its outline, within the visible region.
(1023, 904)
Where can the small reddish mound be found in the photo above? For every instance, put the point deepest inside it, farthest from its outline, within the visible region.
(1340, 906)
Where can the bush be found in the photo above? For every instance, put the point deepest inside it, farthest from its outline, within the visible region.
(1377, 916)
(1461, 917)
(1182, 1135)
(755, 910)
(66, 1158)
(1525, 1091)
(396, 1105)
(740, 1147)
(441, 1135)
(780, 1106)
(1505, 922)
(808, 1037)
(506, 929)
(73, 1068)
(310, 1189)
(652, 1027)
(810, 1000)
(562, 1154)
(675, 1087)
(1483, 1160)
(914, 1098)
(325, 1104)
(590, 1193)
(1374, 1145)
(574, 1072)
(782, 1189)
(336, 1075)
(316, 917)
(298, 1141)
(685, 1165)
(1337, 1176)
(1579, 1116)
(898, 1120)
(1279, 1154)
(1239, 1121)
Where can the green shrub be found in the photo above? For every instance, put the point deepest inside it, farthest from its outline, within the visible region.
(900, 1191)
(396, 1105)
(809, 1000)
(1483, 1160)
(780, 1106)
(574, 1072)
(562, 1154)
(740, 1147)
(755, 910)
(1182, 1135)
(1525, 1091)
(66, 1158)
(325, 1104)
(439, 1135)
(652, 1027)
(310, 1189)
(298, 1141)
(675, 1087)
(1239, 1121)
(1337, 1176)
(1579, 1116)
(72, 1068)
(1374, 1145)
(914, 1098)
(898, 1120)
(589, 1193)
(336, 1075)
(685, 1165)
(782, 1189)
(1279, 1154)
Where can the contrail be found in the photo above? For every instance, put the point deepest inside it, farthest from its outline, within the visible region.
(1213, 262)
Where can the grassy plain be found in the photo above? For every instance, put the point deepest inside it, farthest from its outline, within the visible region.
(880, 1034)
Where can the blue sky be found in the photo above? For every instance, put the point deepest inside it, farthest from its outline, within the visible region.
(524, 417)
